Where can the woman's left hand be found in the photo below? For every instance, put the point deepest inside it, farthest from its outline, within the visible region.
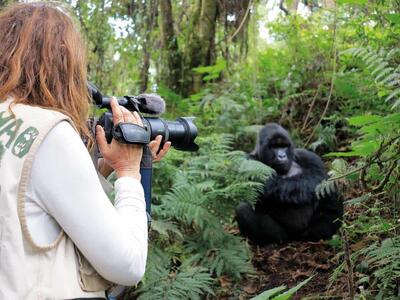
(154, 145)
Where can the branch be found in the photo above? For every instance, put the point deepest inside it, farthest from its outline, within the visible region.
(283, 8)
(380, 187)
(305, 124)
(349, 264)
(241, 23)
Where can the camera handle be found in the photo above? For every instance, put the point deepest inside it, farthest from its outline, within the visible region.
(146, 173)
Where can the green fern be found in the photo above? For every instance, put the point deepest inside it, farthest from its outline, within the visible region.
(165, 281)
(188, 205)
(275, 293)
(385, 259)
(227, 255)
(379, 64)
(165, 228)
(327, 187)
(380, 261)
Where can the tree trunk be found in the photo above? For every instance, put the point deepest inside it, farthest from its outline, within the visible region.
(201, 46)
(207, 22)
(293, 5)
(149, 11)
(144, 69)
(328, 3)
(173, 57)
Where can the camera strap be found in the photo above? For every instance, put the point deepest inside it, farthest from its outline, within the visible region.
(129, 133)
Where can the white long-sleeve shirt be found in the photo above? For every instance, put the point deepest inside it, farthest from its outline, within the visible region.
(64, 192)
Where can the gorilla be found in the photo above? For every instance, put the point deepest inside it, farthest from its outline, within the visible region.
(289, 209)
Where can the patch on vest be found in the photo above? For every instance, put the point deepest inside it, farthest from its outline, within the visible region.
(19, 142)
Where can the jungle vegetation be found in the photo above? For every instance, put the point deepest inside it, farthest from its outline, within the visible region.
(326, 70)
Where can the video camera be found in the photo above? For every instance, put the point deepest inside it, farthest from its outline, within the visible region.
(181, 133)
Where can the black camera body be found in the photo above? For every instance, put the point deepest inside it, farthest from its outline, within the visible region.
(181, 133)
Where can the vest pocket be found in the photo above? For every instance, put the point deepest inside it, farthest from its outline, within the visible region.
(89, 279)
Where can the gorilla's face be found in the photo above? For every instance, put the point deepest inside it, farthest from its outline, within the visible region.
(275, 148)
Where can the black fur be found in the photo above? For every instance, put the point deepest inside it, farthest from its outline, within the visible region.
(289, 209)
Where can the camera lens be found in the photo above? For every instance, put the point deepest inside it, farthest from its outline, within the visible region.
(181, 133)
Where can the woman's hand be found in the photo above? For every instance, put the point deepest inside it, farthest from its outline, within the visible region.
(154, 145)
(123, 158)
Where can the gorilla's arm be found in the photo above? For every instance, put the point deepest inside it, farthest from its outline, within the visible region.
(260, 228)
(310, 163)
(327, 218)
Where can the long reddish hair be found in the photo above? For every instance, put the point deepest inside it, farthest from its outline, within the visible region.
(43, 61)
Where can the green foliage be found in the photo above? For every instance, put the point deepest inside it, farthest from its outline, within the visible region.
(213, 72)
(356, 2)
(326, 187)
(165, 282)
(378, 145)
(384, 258)
(378, 268)
(227, 255)
(386, 76)
(272, 293)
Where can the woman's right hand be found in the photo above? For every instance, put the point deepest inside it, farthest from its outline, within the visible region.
(123, 158)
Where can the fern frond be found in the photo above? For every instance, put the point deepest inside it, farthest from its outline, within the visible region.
(393, 83)
(366, 55)
(386, 259)
(372, 60)
(228, 255)
(392, 52)
(358, 200)
(187, 204)
(380, 67)
(387, 78)
(185, 283)
(327, 187)
(393, 95)
(254, 169)
(385, 72)
(357, 51)
(165, 228)
(396, 104)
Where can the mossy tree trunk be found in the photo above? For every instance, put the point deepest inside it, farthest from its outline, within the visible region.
(199, 49)
(201, 46)
(172, 76)
(149, 11)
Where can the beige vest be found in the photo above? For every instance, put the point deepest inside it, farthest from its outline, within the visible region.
(28, 270)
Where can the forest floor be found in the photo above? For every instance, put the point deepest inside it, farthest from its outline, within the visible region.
(290, 264)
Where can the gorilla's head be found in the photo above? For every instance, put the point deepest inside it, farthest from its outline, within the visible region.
(274, 148)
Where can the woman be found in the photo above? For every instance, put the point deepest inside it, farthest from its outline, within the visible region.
(60, 237)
